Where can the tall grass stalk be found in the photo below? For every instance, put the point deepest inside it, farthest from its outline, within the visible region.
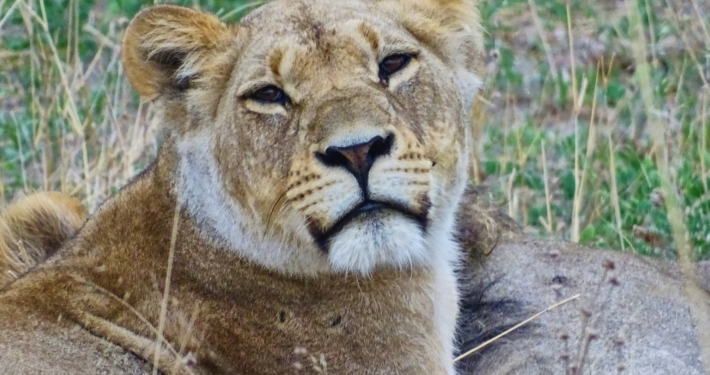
(664, 158)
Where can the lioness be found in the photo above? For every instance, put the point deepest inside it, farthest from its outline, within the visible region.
(300, 213)
(300, 218)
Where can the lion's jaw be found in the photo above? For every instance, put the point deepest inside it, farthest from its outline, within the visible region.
(273, 182)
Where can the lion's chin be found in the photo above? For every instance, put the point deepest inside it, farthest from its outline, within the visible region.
(379, 239)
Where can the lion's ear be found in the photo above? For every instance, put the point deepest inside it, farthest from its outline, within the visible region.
(165, 46)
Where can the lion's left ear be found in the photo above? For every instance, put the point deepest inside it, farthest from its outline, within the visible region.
(451, 28)
(165, 46)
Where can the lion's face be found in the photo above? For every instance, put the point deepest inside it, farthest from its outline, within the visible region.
(319, 135)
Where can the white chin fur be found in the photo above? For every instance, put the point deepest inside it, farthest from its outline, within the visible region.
(379, 239)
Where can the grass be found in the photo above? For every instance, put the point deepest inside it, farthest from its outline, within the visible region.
(584, 131)
(565, 83)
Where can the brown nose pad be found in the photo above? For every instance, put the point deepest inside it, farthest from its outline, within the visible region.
(357, 159)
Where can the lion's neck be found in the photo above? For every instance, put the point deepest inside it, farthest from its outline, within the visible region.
(217, 215)
(390, 307)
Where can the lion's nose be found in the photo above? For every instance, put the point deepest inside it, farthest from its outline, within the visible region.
(358, 158)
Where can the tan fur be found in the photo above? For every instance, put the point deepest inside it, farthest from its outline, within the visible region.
(265, 276)
(646, 312)
(32, 228)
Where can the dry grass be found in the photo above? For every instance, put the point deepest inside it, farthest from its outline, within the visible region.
(69, 121)
(515, 327)
(679, 229)
(566, 111)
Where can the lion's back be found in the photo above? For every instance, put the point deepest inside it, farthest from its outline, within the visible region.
(634, 310)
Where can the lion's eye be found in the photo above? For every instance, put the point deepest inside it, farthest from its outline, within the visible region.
(269, 94)
(392, 64)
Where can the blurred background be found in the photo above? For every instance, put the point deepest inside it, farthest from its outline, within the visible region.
(592, 126)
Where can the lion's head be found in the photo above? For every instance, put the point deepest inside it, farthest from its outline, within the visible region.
(317, 135)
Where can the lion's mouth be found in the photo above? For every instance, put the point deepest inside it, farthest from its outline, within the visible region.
(367, 207)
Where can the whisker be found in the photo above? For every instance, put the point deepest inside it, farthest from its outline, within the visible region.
(433, 161)
(271, 214)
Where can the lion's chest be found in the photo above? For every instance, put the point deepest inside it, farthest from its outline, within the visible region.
(346, 327)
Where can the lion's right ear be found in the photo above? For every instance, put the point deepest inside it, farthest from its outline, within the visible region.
(166, 46)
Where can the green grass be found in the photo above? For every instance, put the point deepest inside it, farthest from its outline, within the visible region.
(533, 88)
(69, 121)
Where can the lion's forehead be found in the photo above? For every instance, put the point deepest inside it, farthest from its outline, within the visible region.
(321, 48)
(321, 52)
(313, 26)
(287, 16)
